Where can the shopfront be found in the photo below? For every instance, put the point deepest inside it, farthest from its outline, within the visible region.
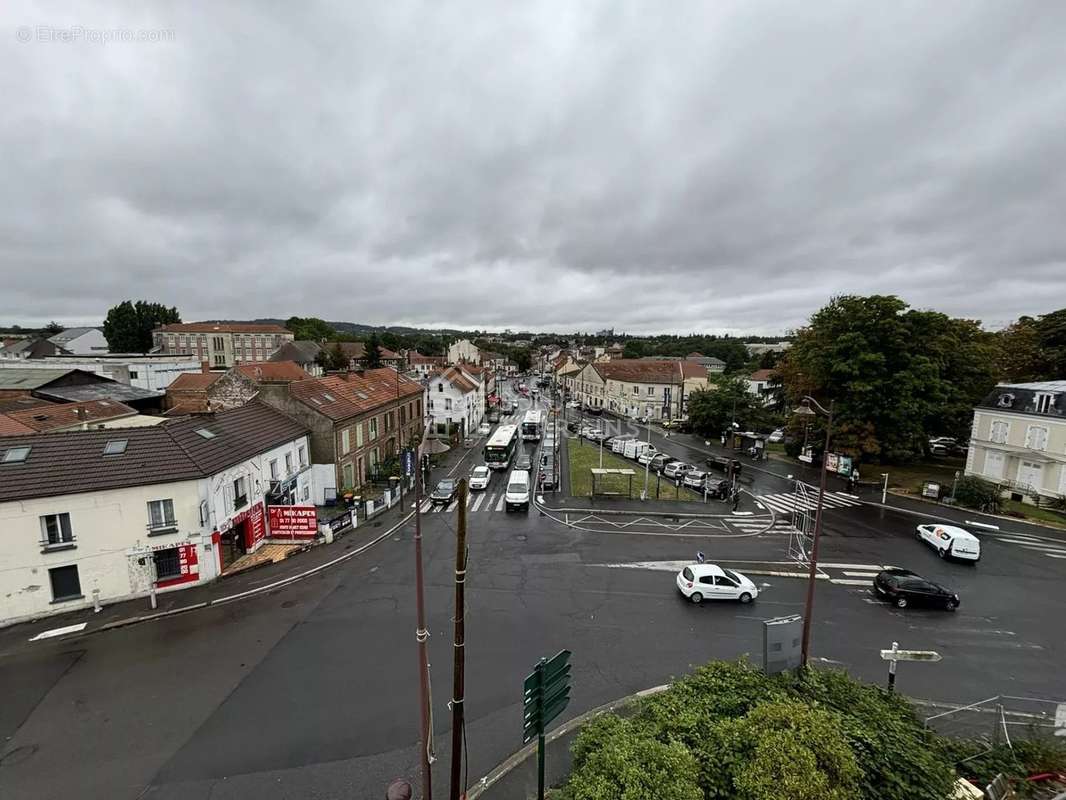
(241, 534)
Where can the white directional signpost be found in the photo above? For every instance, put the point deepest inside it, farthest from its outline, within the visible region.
(895, 655)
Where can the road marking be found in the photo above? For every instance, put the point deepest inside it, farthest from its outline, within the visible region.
(849, 582)
(480, 499)
(426, 506)
(59, 631)
(1054, 555)
(860, 574)
(1016, 539)
(499, 505)
(838, 565)
(1043, 548)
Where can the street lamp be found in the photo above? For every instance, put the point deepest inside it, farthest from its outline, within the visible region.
(806, 411)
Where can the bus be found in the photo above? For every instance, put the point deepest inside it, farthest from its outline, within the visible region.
(533, 425)
(499, 450)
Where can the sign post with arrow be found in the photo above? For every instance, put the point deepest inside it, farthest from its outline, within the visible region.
(895, 655)
(546, 693)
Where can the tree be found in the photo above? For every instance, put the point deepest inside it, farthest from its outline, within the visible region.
(332, 358)
(52, 328)
(521, 357)
(128, 326)
(372, 357)
(1051, 335)
(634, 348)
(310, 329)
(711, 411)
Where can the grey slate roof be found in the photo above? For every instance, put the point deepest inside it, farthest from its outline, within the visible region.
(301, 351)
(28, 378)
(74, 462)
(106, 390)
(1021, 398)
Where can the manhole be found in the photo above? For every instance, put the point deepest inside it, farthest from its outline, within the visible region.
(18, 755)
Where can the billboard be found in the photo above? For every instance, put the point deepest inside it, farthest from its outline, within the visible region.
(293, 522)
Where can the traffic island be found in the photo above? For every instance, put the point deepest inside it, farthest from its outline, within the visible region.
(603, 475)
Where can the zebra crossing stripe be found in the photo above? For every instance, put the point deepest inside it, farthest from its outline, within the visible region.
(480, 499)
(425, 506)
(849, 582)
(499, 505)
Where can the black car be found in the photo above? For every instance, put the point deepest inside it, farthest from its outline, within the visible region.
(444, 493)
(594, 411)
(572, 427)
(725, 464)
(717, 487)
(523, 461)
(904, 588)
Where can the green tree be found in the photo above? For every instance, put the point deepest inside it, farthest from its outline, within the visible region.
(372, 358)
(332, 358)
(634, 348)
(52, 328)
(128, 326)
(310, 329)
(1051, 335)
(711, 411)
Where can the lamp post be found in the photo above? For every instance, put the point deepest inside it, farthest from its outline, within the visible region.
(806, 411)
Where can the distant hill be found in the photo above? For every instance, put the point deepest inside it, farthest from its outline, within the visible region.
(355, 327)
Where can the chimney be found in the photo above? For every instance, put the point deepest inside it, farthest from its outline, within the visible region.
(83, 418)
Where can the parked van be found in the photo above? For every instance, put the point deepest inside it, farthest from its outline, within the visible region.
(634, 448)
(949, 540)
(517, 494)
(618, 443)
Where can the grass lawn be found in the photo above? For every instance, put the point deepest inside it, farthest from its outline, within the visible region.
(583, 455)
(910, 477)
(1045, 515)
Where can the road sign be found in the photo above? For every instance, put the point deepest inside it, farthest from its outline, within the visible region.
(545, 694)
(911, 655)
(408, 462)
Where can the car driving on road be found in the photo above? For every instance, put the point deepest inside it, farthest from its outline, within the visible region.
(950, 540)
(699, 582)
(479, 477)
(904, 588)
(444, 492)
(523, 461)
(484, 429)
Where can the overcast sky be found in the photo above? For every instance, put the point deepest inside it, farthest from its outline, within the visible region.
(706, 166)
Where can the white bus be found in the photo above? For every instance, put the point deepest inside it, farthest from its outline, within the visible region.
(499, 449)
(533, 425)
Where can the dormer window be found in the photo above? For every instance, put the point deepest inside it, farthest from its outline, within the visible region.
(1005, 401)
(1044, 402)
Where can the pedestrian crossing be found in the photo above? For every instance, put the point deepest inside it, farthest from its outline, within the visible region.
(1035, 544)
(789, 502)
(476, 502)
(762, 524)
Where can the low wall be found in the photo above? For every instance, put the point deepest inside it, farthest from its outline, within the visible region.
(516, 778)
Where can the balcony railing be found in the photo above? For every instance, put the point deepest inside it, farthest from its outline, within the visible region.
(62, 544)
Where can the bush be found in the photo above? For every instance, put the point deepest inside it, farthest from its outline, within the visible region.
(748, 736)
(978, 493)
(1028, 757)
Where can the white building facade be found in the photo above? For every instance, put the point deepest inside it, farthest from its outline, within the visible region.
(151, 372)
(463, 350)
(453, 403)
(81, 341)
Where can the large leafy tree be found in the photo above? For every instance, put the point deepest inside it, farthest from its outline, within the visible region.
(52, 328)
(895, 375)
(1051, 336)
(372, 359)
(128, 326)
(310, 329)
(711, 411)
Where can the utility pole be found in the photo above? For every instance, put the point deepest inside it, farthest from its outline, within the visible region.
(647, 464)
(422, 636)
(459, 670)
(813, 570)
(884, 489)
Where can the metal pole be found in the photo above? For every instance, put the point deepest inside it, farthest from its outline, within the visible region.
(459, 673)
(813, 571)
(154, 577)
(422, 636)
(892, 669)
(540, 729)
(884, 490)
(647, 465)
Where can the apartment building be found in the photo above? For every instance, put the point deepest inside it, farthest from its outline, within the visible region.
(221, 345)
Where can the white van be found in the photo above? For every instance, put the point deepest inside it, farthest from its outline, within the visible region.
(618, 443)
(517, 494)
(949, 540)
(635, 448)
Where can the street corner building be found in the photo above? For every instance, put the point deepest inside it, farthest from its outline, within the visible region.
(108, 515)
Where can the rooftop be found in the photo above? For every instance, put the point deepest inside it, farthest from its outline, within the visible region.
(342, 396)
(639, 370)
(220, 327)
(64, 415)
(193, 381)
(29, 378)
(274, 371)
(74, 462)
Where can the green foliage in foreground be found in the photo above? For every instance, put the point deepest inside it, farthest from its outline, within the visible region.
(728, 731)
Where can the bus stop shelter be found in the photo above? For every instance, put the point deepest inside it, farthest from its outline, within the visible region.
(600, 476)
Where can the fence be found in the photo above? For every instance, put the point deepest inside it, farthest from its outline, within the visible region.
(998, 720)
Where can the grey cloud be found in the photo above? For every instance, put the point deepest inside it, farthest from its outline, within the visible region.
(715, 167)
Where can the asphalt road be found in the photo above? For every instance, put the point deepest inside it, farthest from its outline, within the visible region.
(311, 692)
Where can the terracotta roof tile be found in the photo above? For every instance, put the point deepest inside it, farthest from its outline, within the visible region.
(639, 370)
(193, 381)
(63, 415)
(12, 427)
(340, 397)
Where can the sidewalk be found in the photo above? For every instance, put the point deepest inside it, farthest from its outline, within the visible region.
(240, 586)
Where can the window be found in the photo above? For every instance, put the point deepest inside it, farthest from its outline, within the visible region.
(1044, 403)
(288, 464)
(431, 404)
(346, 440)
(305, 493)
(303, 456)
(1036, 437)
(240, 493)
(373, 427)
(994, 465)
(359, 434)
(115, 447)
(161, 515)
(220, 360)
(403, 415)
(219, 343)
(447, 404)
(651, 391)
(636, 390)
(204, 515)
(999, 432)
(133, 374)
(273, 469)
(55, 532)
(181, 340)
(65, 583)
(167, 564)
(348, 480)
(440, 387)
(374, 457)
(16, 454)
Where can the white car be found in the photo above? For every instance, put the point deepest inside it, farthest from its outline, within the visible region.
(777, 436)
(694, 479)
(484, 429)
(595, 434)
(479, 477)
(949, 540)
(699, 582)
(677, 469)
(573, 404)
(648, 454)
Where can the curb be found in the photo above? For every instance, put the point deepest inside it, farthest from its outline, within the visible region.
(638, 512)
(123, 623)
(1026, 521)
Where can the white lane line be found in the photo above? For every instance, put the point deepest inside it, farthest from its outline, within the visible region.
(1043, 548)
(437, 509)
(426, 505)
(853, 574)
(451, 506)
(469, 499)
(849, 582)
(479, 501)
(59, 631)
(838, 565)
(1054, 555)
(1016, 539)
(499, 505)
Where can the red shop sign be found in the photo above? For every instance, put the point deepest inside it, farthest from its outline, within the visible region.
(293, 522)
